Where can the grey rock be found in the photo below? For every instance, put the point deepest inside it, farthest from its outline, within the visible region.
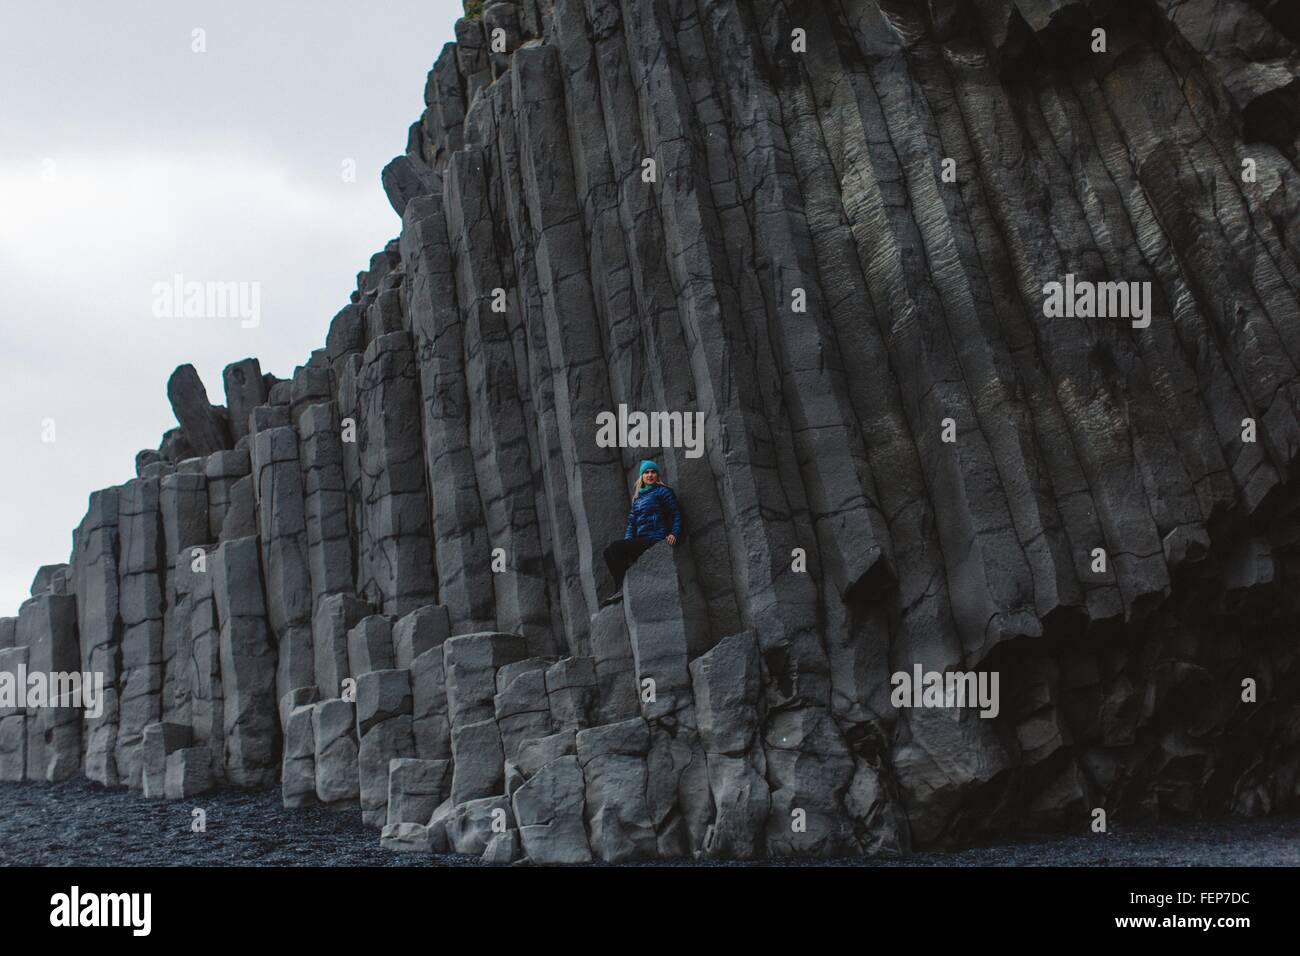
(240, 520)
(207, 703)
(298, 771)
(401, 183)
(396, 554)
(279, 397)
(175, 447)
(611, 649)
(145, 459)
(470, 825)
(13, 748)
(205, 427)
(50, 579)
(905, 459)
(573, 693)
(141, 604)
(310, 386)
(549, 809)
(438, 826)
(346, 336)
(13, 661)
(380, 745)
(282, 531)
(189, 773)
(406, 837)
(537, 753)
(370, 645)
(183, 502)
(335, 735)
(430, 721)
(252, 727)
(471, 662)
(613, 761)
(245, 390)
(477, 760)
(420, 630)
(330, 556)
(381, 696)
(523, 710)
(160, 741)
(334, 619)
(95, 551)
(659, 629)
(465, 579)
(502, 849)
(47, 629)
(416, 788)
(727, 685)
(222, 470)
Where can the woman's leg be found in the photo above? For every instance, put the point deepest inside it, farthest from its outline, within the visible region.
(616, 560)
(620, 555)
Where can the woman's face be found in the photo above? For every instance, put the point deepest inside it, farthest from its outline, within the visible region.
(650, 476)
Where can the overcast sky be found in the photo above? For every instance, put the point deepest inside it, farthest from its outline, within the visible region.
(127, 158)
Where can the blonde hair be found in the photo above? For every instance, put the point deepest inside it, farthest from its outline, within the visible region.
(642, 484)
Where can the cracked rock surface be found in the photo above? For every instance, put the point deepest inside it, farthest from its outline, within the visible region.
(829, 228)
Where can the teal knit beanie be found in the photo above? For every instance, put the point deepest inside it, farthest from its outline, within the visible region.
(647, 465)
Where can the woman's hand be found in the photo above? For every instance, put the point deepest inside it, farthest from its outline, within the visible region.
(671, 539)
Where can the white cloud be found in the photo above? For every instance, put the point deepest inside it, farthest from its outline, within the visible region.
(220, 166)
(79, 256)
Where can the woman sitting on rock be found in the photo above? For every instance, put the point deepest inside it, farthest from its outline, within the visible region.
(654, 517)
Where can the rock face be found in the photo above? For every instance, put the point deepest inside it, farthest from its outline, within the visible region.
(988, 314)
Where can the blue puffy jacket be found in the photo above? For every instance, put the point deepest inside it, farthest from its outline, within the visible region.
(654, 514)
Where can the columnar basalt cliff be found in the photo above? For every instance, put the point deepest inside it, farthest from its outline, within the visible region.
(829, 227)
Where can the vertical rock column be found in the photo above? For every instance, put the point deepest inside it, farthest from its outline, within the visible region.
(463, 553)
(781, 607)
(419, 637)
(205, 426)
(576, 344)
(47, 628)
(727, 687)
(245, 390)
(498, 428)
(207, 699)
(298, 769)
(471, 662)
(396, 559)
(13, 720)
(141, 581)
(283, 537)
(99, 626)
(183, 499)
(669, 365)
(526, 328)
(248, 666)
(329, 544)
(384, 730)
(659, 621)
(223, 470)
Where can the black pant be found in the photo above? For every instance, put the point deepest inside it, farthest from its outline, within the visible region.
(620, 555)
